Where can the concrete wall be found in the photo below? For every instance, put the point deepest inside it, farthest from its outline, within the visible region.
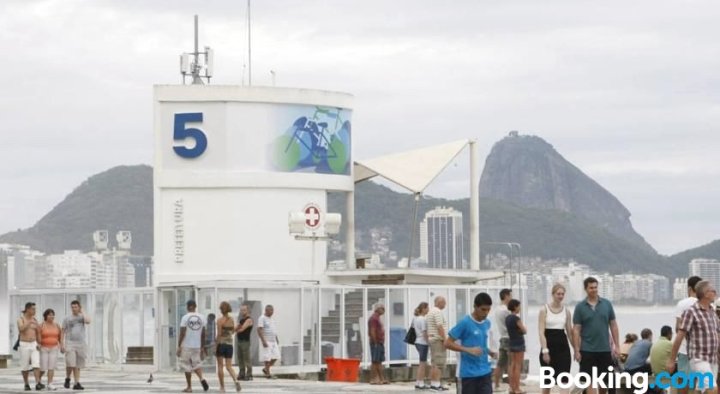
(221, 212)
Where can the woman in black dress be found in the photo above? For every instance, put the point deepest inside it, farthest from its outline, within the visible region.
(555, 328)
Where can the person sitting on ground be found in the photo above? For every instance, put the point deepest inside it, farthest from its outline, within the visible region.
(630, 339)
(660, 352)
(639, 353)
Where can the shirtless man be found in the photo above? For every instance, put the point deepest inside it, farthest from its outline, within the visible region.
(29, 330)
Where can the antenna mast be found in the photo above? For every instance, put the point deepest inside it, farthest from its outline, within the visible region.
(199, 64)
(249, 47)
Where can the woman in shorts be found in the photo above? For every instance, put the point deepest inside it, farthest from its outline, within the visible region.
(50, 345)
(224, 340)
(421, 344)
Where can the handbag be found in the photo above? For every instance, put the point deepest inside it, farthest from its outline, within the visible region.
(411, 336)
(17, 344)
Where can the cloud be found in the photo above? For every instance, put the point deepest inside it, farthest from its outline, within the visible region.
(620, 89)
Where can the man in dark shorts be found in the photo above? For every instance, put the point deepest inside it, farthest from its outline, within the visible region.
(501, 313)
(376, 332)
(592, 318)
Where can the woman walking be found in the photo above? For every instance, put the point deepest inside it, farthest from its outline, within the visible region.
(516, 333)
(50, 345)
(421, 344)
(224, 354)
(555, 329)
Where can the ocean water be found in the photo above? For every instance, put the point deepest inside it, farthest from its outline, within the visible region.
(629, 318)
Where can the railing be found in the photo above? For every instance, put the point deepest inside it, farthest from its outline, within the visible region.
(314, 321)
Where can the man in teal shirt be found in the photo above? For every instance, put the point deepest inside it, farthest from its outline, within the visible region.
(592, 318)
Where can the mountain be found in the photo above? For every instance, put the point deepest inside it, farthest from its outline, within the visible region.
(118, 199)
(122, 199)
(708, 251)
(528, 172)
(550, 234)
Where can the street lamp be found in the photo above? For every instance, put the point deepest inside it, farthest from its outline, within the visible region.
(511, 245)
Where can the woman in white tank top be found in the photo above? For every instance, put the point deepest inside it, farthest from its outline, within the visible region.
(555, 329)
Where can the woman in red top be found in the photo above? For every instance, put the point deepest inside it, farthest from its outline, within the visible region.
(50, 344)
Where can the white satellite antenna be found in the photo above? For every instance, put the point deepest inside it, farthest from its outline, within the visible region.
(124, 240)
(198, 64)
(101, 239)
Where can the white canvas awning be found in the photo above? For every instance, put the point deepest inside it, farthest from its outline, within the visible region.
(413, 170)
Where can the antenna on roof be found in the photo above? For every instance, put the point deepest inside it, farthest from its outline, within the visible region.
(198, 63)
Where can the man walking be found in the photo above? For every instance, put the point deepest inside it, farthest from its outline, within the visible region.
(473, 332)
(74, 336)
(683, 364)
(242, 343)
(376, 332)
(437, 333)
(29, 330)
(190, 346)
(592, 318)
(501, 313)
(267, 331)
(700, 325)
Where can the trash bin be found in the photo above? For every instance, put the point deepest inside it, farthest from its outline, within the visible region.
(342, 369)
(398, 347)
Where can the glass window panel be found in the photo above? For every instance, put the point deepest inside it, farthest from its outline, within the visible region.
(131, 322)
(396, 317)
(310, 327)
(286, 305)
(148, 319)
(354, 323)
(53, 301)
(461, 304)
(330, 323)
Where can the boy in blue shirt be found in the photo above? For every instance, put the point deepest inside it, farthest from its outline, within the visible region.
(473, 331)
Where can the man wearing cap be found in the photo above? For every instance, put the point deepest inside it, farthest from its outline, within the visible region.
(29, 330)
(190, 346)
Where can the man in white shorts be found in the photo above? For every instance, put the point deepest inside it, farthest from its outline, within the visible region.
(74, 338)
(700, 325)
(190, 348)
(29, 330)
(267, 331)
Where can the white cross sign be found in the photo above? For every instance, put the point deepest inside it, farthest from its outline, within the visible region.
(312, 216)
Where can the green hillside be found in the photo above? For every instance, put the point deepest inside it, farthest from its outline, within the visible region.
(117, 199)
(121, 199)
(541, 232)
(708, 251)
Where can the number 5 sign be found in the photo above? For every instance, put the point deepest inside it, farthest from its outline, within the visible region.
(181, 132)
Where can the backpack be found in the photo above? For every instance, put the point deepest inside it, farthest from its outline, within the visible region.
(411, 335)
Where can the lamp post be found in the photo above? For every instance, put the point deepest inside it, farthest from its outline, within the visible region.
(511, 246)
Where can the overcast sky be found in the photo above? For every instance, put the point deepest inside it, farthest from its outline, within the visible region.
(627, 91)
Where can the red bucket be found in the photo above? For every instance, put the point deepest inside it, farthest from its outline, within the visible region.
(342, 369)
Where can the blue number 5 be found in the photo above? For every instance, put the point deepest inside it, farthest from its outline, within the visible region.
(180, 133)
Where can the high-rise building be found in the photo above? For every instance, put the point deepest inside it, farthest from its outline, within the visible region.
(708, 269)
(442, 238)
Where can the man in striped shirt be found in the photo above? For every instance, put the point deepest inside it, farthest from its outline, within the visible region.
(267, 331)
(437, 333)
(700, 325)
